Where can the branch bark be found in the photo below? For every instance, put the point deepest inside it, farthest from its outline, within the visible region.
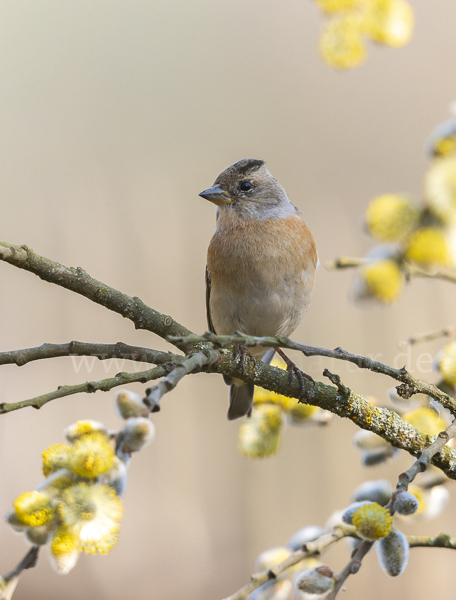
(412, 270)
(309, 550)
(381, 421)
(351, 568)
(80, 282)
(442, 540)
(190, 364)
(88, 387)
(100, 351)
(410, 385)
(424, 458)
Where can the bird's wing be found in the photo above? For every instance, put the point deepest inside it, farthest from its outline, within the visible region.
(208, 298)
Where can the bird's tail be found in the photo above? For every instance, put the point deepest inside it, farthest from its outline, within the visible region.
(241, 397)
(241, 394)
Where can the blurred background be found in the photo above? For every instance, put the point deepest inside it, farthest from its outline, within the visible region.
(114, 116)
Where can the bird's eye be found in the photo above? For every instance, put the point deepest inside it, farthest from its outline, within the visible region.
(245, 186)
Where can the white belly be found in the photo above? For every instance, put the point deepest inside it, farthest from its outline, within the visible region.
(270, 307)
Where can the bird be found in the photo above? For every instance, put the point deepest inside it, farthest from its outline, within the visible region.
(261, 265)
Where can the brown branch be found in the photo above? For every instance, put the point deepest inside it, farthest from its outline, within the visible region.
(345, 262)
(430, 336)
(80, 282)
(88, 387)
(443, 274)
(412, 270)
(11, 579)
(442, 540)
(405, 479)
(381, 421)
(351, 568)
(420, 465)
(28, 562)
(100, 351)
(314, 548)
(410, 386)
(385, 423)
(190, 364)
(425, 457)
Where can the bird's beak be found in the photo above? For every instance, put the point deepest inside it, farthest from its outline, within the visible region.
(217, 195)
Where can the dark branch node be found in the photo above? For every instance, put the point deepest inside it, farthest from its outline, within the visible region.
(335, 379)
(406, 391)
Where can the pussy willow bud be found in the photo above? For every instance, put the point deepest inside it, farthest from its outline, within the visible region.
(272, 590)
(271, 557)
(130, 405)
(40, 535)
(116, 477)
(347, 516)
(137, 433)
(315, 581)
(372, 521)
(82, 428)
(405, 503)
(377, 490)
(371, 459)
(304, 535)
(393, 552)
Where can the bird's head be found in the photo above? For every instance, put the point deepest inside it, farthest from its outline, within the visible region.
(249, 189)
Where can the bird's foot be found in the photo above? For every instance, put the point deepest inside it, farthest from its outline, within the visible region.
(241, 352)
(292, 369)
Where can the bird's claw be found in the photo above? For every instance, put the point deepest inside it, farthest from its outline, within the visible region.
(292, 369)
(241, 352)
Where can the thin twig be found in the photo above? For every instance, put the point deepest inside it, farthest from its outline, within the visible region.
(352, 567)
(443, 540)
(88, 387)
(430, 336)
(345, 262)
(100, 351)
(318, 546)
(443, 274)
(385, 423)
(314, 548)
(190, 364)
(77, 280)
(410, 385)
(420, 465)
(425, 457)
(28, 562)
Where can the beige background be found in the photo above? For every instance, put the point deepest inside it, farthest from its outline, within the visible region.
(114, 116)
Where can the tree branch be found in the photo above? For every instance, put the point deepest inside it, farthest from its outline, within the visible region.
(385, 423)
(410, 386)
(430, 336)
(309, 549)
(412, 270)
(28, 562)
(103, 385)
(405, 479)
(381, 421)
(352, 567)
(191, 364)
(100, 351)
(425, 457)
(442, 540)
(11, 579)
(80, 282)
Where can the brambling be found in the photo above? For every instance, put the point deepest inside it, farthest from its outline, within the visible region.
(261, 264)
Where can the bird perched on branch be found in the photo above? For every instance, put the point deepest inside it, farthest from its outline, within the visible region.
(261, 265)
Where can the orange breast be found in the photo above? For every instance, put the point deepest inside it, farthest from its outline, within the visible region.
(262, 274)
